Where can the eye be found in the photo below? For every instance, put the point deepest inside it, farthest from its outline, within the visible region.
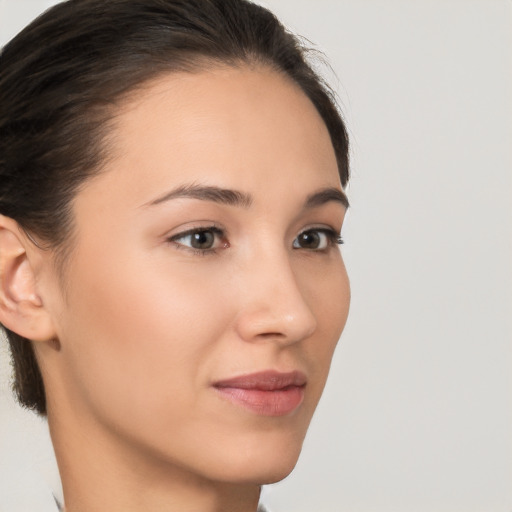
(200, 239)
(317, 239)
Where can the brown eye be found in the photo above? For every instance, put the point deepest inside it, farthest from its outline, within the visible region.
(316, 239)
(200, 239)
(308, 240)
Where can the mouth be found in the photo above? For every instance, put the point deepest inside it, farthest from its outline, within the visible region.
(268, 393)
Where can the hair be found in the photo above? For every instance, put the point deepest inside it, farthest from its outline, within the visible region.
(62, 78)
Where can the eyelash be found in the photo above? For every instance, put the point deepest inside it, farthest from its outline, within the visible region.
(333, 239)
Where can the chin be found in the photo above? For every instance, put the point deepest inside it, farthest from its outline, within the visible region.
(276, 474)
(274, 470)
(264, 472)
(265, 461)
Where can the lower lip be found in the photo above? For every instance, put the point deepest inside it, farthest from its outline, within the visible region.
(279, 402)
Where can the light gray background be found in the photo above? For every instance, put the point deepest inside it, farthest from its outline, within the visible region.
(417, 414)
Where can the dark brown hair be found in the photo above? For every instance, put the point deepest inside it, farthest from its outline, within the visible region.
(62, 77)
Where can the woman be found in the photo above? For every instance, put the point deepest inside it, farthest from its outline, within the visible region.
(171, 198)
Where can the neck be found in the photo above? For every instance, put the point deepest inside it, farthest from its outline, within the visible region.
(99, 473)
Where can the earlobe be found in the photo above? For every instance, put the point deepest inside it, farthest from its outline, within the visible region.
(21, 308)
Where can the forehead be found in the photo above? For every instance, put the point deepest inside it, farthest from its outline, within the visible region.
(234, 127)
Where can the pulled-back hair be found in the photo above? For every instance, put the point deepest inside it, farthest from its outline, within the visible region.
(62, 78)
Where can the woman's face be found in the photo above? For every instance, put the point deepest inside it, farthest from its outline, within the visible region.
(206, 292)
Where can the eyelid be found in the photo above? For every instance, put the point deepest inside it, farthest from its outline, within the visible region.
(323, 228)
(192, 227)
(191, 231)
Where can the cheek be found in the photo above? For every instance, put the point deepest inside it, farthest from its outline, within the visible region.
(142, 338)
(328, 290)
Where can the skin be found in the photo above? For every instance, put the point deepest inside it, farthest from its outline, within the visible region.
(130, 346)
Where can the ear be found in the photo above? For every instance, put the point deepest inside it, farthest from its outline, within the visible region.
(21, 308)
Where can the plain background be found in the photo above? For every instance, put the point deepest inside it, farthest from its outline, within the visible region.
(417, 413)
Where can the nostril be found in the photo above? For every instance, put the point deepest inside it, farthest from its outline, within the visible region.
(272, 335)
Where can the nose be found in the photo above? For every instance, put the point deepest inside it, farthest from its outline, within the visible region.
(273, 305)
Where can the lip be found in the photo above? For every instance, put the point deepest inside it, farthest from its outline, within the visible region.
(267, 393)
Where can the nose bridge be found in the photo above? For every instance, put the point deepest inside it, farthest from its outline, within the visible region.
(273, 305)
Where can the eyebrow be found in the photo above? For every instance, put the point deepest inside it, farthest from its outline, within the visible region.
(207, 193)
(326, 195)
(242, 199)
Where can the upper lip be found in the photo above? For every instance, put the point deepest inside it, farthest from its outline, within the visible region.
(268, 380)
